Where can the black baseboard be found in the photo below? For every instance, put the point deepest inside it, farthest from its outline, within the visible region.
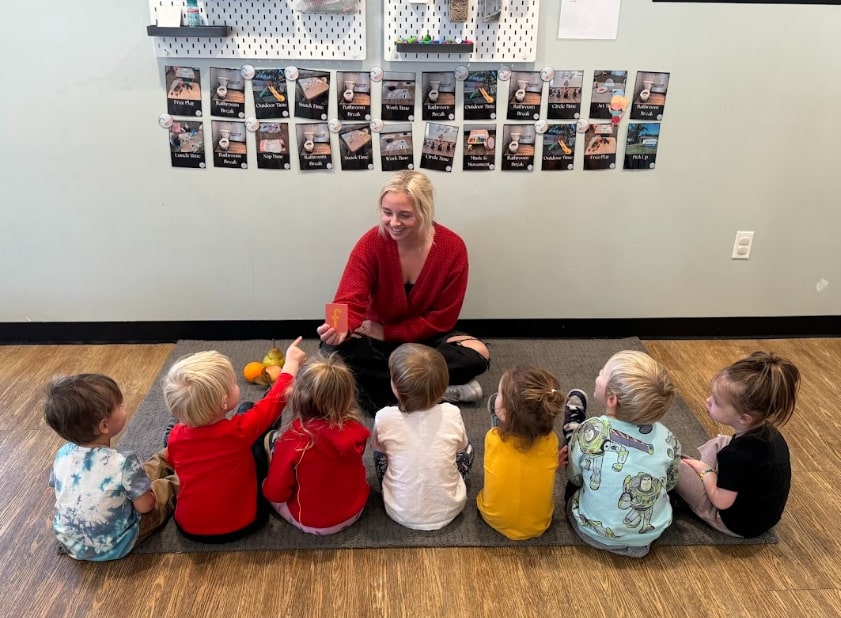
(609, 328)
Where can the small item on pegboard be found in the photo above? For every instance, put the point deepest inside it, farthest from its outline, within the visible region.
(427, 39)
(490, 10)
(458, 10)
(192, 14)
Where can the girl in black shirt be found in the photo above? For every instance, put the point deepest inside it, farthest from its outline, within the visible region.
(740, 484)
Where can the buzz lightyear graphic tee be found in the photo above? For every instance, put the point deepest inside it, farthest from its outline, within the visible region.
(94, 488)
(624, 472)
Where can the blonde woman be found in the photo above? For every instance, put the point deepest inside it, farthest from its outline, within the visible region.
(405, 282)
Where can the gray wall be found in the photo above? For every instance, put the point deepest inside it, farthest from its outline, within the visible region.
(96, 226)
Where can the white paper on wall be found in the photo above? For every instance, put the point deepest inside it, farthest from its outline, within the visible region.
(589, 19)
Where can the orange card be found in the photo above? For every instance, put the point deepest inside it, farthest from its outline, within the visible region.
(336, 316)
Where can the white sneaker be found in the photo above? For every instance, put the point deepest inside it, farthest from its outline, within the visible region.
(466, 393)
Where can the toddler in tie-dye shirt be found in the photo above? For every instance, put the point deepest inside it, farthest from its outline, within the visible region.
(106, 501)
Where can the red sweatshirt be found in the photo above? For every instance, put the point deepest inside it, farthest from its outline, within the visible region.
(317, 471)
(372, 287)
(214, 464)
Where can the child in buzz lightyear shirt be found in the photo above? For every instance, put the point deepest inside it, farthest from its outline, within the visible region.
(622, 464)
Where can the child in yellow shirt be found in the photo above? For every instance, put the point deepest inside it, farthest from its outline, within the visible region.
(521, 454)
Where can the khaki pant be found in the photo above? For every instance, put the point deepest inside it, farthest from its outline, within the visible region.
(165, 487)
(690, 487)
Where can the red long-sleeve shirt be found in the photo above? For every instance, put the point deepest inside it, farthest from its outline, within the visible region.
(214, 464)
(317, 470)
(372, 287)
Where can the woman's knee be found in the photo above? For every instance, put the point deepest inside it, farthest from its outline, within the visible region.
(471, 342)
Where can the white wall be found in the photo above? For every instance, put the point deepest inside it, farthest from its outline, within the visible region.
(96, 226)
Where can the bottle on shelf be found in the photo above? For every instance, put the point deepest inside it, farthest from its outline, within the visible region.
(192, 16)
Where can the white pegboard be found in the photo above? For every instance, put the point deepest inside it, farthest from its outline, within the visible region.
(267, 29)
(511, 39)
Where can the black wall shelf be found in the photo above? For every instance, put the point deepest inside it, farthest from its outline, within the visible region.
(188, 31)
(435, 48)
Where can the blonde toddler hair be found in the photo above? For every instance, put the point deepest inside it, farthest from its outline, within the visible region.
(642, 386)
(325, 389)
(196, 387)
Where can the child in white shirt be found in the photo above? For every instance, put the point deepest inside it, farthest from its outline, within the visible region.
(421, 451)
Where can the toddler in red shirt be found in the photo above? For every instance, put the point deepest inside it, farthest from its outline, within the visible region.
(316, 477)
(216, 458)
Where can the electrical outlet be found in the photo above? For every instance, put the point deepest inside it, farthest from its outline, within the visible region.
(742, 246)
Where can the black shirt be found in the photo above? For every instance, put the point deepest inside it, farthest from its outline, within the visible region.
(755, 465)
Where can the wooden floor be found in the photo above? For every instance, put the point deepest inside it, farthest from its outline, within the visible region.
(798, 577)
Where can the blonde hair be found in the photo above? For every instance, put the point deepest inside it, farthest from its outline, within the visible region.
(419, 376)
(531, 398)
(196, 386)
(642, 387)
(762, 385)
(325, 389)
(418, 188)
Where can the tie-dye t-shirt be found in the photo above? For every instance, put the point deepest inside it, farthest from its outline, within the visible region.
(94, 488)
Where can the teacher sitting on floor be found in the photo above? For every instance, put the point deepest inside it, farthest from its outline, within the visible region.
(404, 282)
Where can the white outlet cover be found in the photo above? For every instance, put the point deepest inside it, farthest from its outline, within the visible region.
(742, 245)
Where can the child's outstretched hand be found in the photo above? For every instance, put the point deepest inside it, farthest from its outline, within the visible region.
(295, 357)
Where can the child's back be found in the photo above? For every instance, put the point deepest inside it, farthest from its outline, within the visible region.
(421, 450)
(422, 486)
(624, 471)
(317, 470)
(625, 461)
(517, 499)
(215, 457)
(521, 454)
(317, 479)
(106, 502)
(217, 471)
(94, 517)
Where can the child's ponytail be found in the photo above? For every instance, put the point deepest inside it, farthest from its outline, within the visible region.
(764, 385)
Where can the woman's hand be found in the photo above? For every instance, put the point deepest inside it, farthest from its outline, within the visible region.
(374, 330)
(330, 335)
